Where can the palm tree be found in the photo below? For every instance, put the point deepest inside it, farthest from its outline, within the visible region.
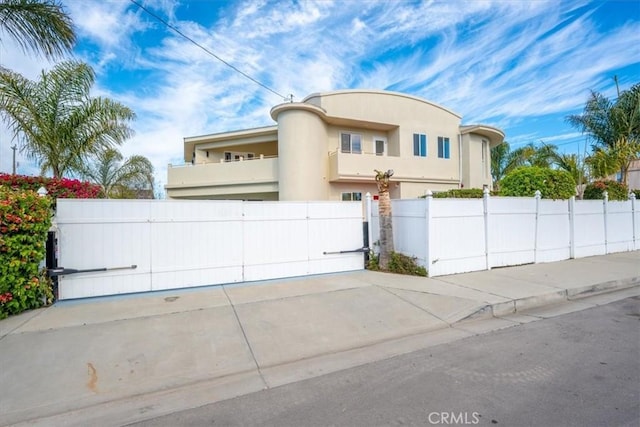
(614, 129)
(119, 179)
(505, 160)
(540, 155)
(386, 221)
(56, 121)
(38, 26)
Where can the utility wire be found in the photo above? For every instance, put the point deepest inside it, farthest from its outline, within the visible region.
(286, 98)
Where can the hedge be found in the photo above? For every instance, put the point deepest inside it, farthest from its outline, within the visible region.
(552, 183)
(25, 219)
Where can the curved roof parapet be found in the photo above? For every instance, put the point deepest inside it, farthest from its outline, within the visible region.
(495, 135)
(308, 104)
(378, 92)
(296, 106)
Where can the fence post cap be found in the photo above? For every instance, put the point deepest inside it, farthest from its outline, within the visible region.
(538, 194)
(632, 195)
(428, 193)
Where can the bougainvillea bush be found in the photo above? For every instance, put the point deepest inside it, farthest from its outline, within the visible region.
(57, 188)
(615, 190)
(25, 219)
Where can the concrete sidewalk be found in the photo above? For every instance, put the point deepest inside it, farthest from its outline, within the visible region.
(117, 360)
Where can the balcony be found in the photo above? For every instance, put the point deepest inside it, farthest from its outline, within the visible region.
(358, 167)
(217, 180)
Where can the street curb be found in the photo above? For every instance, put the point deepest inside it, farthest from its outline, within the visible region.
(527, 303)
(613, 285)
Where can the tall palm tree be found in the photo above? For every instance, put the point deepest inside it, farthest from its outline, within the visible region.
(38, 26)
(614, 130)
(386, 221)
(56, 121)
(119, 179)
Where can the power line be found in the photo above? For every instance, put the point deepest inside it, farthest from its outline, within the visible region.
(168, 25)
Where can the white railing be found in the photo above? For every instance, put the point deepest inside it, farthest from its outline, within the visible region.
(449, 236)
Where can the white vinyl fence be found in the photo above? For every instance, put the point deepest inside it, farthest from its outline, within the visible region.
(449, 236)
(179, 244)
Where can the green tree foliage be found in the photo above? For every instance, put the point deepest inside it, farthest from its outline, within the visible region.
(38, 26)
(615, 190)
(614, 130)
(24, 222)
(504, 160)
(524, 181)
(58, 124)
(119, 178)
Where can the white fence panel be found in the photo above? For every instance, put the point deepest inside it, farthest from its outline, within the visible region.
(619, 222)
(97, 234)
(195, 242)
(178, 244)
(410, 232)
(554, 232)
(275, 240)
(512, 231)
(334, 227)
(451, 237)
(636, 223)
(589, 228)
(458, 236)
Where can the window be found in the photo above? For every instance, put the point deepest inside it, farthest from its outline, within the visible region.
(443, 147)
(484, 158)
(420, 144)
(351, 143)
(378, 146)
(348, 197)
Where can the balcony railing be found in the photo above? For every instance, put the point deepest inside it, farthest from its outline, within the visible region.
(360, 166)
(262, 169)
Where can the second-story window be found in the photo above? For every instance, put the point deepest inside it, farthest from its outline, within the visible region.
(351, 143)
(443, 147)
(420, 144)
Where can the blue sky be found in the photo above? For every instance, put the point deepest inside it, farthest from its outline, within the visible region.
(519, 65)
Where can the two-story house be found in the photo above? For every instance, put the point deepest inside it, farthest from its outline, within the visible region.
(327, 147)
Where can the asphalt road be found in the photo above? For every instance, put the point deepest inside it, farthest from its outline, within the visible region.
(580, 369)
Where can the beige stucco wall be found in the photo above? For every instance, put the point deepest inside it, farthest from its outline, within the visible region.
(475, 172)
(303, 154)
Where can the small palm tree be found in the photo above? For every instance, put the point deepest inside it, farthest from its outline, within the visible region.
(119, 179)
(56, 121)
(38, 26)
(386, 221)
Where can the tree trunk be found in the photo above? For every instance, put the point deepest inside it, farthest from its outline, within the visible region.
(386, 228)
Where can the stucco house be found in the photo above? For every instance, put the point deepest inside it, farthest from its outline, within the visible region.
(327, 146)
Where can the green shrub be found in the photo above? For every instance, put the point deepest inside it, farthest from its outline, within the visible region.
(399, 264)
(460, 193)
(552, 183)
(615, 190)
(25, 219)
(637, 193)
(403, 264)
